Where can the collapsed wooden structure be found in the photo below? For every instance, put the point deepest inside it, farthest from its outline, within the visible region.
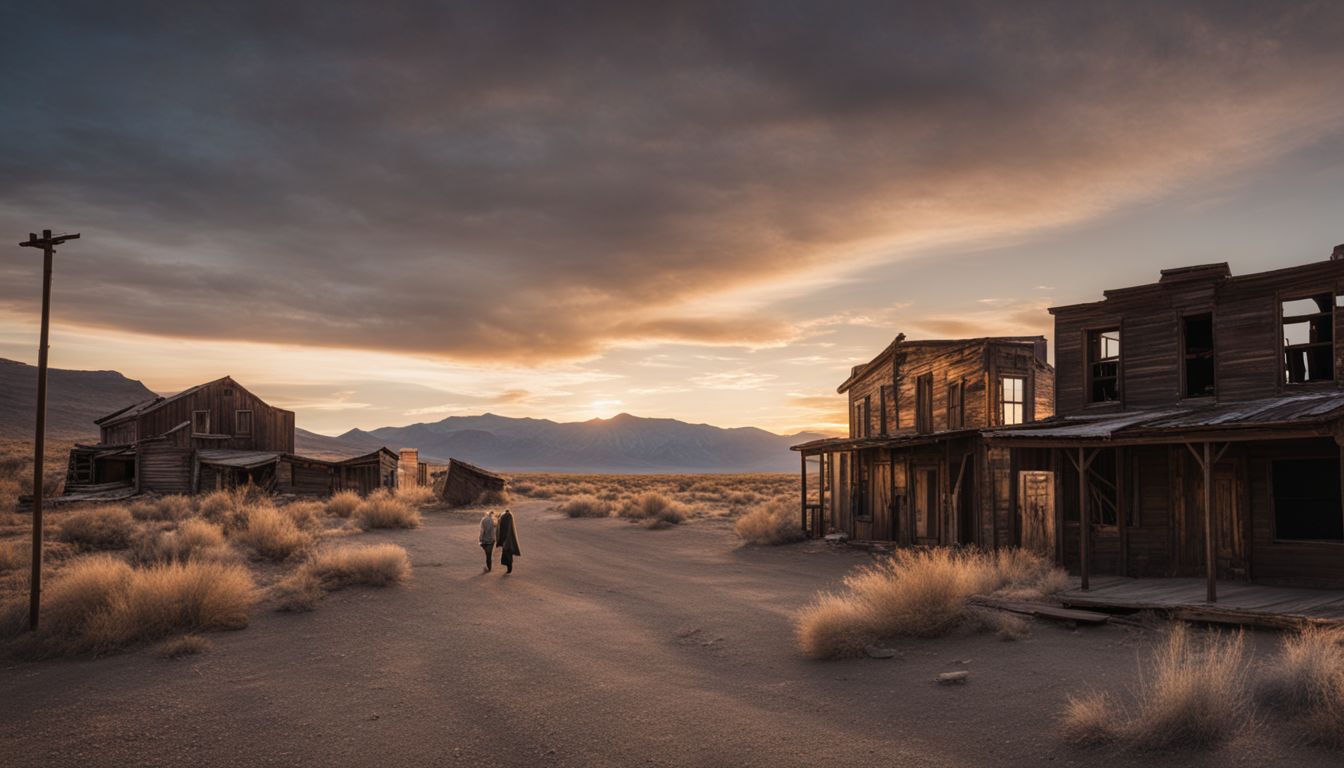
(1197, 431)
(464, 484)
(214, 436)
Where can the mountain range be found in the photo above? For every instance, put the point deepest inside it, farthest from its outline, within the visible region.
(623, 443)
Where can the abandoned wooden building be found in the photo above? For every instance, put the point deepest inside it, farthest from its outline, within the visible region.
(914, 468)
(464, 484)
(213, 436)
(1198, 431)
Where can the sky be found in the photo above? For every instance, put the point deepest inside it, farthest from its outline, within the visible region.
(379, 214)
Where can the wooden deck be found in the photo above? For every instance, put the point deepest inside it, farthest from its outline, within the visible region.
(1238, 603)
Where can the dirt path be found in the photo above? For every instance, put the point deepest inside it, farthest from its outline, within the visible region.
(610, 645)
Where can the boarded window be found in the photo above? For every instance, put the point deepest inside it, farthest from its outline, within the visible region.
(1012, 400)
(1309, 339)
(956, 412)
(242, 422)
(1307, 500)
(200, 422)
(1103, 365)
(1197, 338)
(924, 403)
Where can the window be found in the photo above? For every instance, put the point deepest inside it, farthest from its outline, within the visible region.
(1103, 365)
(882, 410)
(862, 509)
(956, 412)
(242, 422)
(867, 415)
(1197, 339)
(1309, 339)
(924, 403)
(1306, 500)
(200, 422)
(1012, 400)
(856, 420)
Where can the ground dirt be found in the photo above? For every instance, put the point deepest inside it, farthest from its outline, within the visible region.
(610, 645)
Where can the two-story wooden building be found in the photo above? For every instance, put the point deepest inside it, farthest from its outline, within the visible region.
(1198, 430)
(211, 436)
(914, 468)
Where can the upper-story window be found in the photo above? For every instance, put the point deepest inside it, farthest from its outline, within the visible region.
(200, 422)
(882, 410)
(242, 422)
(1103, 365)
(1309, 339)
(867, 415)
(1197, 341)
(924, 403)
(956, 411)
(1012, 400)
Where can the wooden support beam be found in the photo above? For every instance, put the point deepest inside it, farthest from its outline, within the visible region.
(1210, 562)
(1084, 565)
(803, 458)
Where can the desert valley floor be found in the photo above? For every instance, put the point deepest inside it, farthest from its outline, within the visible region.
(609, 645)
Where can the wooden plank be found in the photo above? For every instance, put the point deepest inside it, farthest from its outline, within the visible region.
(1043, 611)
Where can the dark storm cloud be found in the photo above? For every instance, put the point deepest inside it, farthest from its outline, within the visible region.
(533, 181)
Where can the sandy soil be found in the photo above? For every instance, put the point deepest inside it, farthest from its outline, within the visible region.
(609, 645)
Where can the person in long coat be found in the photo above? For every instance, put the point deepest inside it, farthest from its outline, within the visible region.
(506, 538)
(488, 539)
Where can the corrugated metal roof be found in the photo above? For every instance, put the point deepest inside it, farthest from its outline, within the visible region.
(238, 459)
(857, 443)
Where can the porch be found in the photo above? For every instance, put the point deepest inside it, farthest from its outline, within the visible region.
(1238, 602)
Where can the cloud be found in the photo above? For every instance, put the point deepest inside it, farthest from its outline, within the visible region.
(733, 380)
(527, 183)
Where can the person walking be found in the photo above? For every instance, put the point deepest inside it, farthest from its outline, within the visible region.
(507, 536)
(488, 539)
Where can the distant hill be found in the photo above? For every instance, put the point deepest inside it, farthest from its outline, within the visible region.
(74, 400)
(622, 443)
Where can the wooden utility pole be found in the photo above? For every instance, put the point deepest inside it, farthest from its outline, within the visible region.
(48, 245)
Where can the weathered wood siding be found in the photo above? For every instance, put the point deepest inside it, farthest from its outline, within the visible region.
(164, 468)
(272, 428)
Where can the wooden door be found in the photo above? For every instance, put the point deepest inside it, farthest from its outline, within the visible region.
(926, 506)
(1230, 544)
(880, 493)
(1036, 505)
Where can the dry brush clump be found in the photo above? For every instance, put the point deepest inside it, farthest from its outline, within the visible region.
(386, 511)
(1306, 683)
(184, 645)
(343, 504)
(192, 539)
(165, 508)
(655, 510)
(272, 534)
(100, 603)
(1194, 692)
(915, 593)
(375, 565)
(14, 555)
(586, 506)
(772, 523)
(98, 528)
(416, 495)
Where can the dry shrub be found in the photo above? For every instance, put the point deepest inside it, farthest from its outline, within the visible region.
(1090, 720)
(98, 528)
(307, 515)
(185, 645)
(343, 504)
(1195, 692)
(655, 510)
(14, 555)
(917, 593)
(384, 511)
(416, 495)
(231, 508)
(272, 534)
(586, 506)
(166, 508)
(193, 539)
(1306, 682)
(375, 565)
(522, 489)
(774, 522)
(492, 498)
(99, 603)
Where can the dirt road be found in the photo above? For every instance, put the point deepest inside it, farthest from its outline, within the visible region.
(610, 645)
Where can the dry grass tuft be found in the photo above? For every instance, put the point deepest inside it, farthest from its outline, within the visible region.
(1089, 720)
(166, 508)
(99, 603)
(193, 539)
(272, 534)
(492, 499)
(772, 523)
(343, 504)
(1004, 625)
(416, 495)
(1195, 694)
(1306, 682)
(586, 506)
(98, 528)
(232, 508)
(655, 510)
(375, 565)
(14, 555)
(916, 593)
(384, 511)
(307, 515)
(184, 645)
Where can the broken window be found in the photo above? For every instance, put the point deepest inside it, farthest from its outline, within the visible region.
(1012, 400)
(1197, 336)
(1102, 501)
(200, 422)
(1103, 365)
(1309, 339)
(242, 422)
(924, 403)
(1307, 500)
(956, 412)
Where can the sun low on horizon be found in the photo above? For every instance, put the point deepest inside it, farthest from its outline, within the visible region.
(399, 217)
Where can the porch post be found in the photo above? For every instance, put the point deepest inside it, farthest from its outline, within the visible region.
(1084, 565)
(1210, 564)
(803, 457)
